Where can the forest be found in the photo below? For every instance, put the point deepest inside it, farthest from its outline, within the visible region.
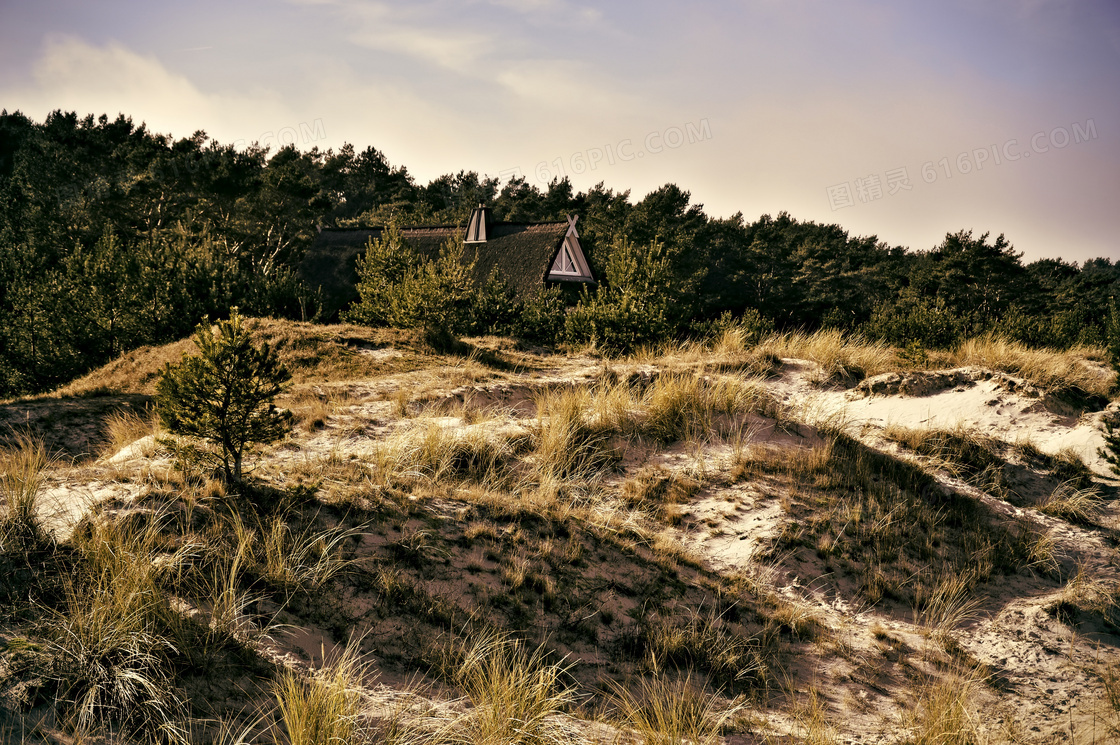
(114, 237)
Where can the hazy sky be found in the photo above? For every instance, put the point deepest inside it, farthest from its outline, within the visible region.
(902, 119)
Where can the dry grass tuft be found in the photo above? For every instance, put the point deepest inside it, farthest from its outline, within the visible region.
(812, 725)
(710, 644)
(400, 400)
(325, 707)
(124, 427)
(1052, 370)
(962, 451)
(516, 693)
(313, 407)
(663, 710)
(110, 644)
(1067, 502)
(945, 712)
(571, 438)
(690, 407)
(951, 604)
(1089, 595)
(292, 559)
(658, 490)
(21, 477)
(841, 356)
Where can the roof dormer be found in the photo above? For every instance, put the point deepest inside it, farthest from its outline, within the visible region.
(476, 226)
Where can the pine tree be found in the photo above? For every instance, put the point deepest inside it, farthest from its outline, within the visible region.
(225, 393)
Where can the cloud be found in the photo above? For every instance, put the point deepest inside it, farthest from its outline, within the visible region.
(74, 75)
(417, 33)
(485, 50)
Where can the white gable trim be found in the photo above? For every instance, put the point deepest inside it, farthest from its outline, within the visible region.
(570, 263)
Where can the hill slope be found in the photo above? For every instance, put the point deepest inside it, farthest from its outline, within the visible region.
(745, 532)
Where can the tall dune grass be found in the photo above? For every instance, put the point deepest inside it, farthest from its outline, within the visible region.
(124, 427)
(111, 643)
(664, 710)
(840, 354)
(325, 708)
(945, 712)
(21, 479)
(1049, 369)
(516, 694)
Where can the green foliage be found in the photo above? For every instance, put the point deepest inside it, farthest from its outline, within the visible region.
(541, 317)
(1110, 423)
(399, 287)
(113, 237)
(1112, 334)
(911, 318)
(635, 303)
(225, 393)
(1058, 330)
(380, 269)
(751, 327)
(494, 309)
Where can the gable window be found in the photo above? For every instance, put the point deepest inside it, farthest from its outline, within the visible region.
(564, 263)
(570, 263)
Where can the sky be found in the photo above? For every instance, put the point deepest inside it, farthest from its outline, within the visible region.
(904, 120)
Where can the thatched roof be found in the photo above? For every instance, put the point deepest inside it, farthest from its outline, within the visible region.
(522, 253)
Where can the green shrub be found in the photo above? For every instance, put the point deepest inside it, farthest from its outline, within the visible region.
(636, 303)
(382, 266)
(225, 394)
(494, 307)
(399, 287)
(541, 318)
(1112, 335)
(748, 329)
(910, 318)
(1058, 330)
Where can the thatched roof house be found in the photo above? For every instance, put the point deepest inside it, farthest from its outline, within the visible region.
(528, 256)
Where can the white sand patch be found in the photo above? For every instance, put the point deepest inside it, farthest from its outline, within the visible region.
(983, 405)
(380, 355)
(142, 448)
(728, 526)
(62, 507)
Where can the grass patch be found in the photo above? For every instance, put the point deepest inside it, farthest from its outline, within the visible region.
(572, 433)
(964, 452)
(944, 712)
(889, 524)
(658, 491)
(710, 644)
(842, 357)
(666, 710)
(292, 559)
(21, 478)
(515, 693)
(1067, 502)
(110, 645)
(325, 707)
(124, 427)
(1072, 370)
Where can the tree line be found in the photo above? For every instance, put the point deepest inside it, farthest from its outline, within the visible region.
(113, 237)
